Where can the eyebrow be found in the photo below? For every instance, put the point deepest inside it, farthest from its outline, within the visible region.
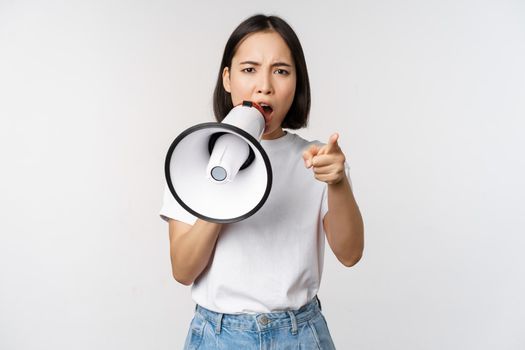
(280, 64)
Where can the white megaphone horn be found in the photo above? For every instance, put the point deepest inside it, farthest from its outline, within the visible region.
(219, 172)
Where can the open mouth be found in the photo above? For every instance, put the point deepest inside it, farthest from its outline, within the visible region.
(268, 110)
(265, 109)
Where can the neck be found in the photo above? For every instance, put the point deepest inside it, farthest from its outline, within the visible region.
(274, 134)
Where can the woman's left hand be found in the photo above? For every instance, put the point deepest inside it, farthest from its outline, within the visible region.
(327, 161)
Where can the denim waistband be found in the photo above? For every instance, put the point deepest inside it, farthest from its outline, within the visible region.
(261, 321)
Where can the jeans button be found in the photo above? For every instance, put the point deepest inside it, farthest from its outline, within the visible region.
(264, 320)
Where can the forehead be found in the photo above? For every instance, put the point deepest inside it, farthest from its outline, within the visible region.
(263, 46)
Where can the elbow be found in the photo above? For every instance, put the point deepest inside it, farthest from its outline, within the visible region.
(185, 280)
(181, 274)
(351, 261)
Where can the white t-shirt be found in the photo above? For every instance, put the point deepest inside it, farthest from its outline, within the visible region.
(273, 260)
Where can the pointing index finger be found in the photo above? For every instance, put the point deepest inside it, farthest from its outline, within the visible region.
(332, 142)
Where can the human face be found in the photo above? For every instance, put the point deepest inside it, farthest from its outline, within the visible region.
(263, 71)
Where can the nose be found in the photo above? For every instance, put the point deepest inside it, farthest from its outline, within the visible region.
(264, 85)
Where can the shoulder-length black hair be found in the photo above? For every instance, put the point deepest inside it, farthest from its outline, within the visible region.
(297, 116)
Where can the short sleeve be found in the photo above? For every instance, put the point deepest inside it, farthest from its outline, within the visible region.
(171, 209)
(324, 206)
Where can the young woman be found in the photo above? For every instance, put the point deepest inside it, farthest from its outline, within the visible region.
(255, 281)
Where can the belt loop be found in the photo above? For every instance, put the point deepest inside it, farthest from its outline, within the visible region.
(319, 303)
(219, 324)
(294, 322)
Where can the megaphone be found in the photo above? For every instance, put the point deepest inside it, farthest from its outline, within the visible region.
(219, 172)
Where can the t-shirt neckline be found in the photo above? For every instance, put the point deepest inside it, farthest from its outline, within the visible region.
(285, 139)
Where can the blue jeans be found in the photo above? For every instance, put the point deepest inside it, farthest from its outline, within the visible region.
(304, 329)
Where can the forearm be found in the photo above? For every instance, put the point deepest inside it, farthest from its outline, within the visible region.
(191, 251)
(344, 224)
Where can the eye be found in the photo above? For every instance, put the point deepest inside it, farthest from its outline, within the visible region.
(248, 70)
(282, 71)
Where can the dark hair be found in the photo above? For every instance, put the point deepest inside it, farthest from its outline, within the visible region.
(297, 116)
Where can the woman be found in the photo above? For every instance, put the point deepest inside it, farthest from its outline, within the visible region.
(255, 281)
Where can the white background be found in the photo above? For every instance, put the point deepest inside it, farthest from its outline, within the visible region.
(429, 99)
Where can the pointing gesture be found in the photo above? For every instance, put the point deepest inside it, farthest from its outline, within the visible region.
(327, 161)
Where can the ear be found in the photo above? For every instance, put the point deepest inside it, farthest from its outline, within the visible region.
(226, 79)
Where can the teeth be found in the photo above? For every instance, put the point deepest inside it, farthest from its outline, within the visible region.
(265, 106)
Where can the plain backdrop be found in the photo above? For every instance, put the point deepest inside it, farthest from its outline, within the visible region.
(429, 100)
